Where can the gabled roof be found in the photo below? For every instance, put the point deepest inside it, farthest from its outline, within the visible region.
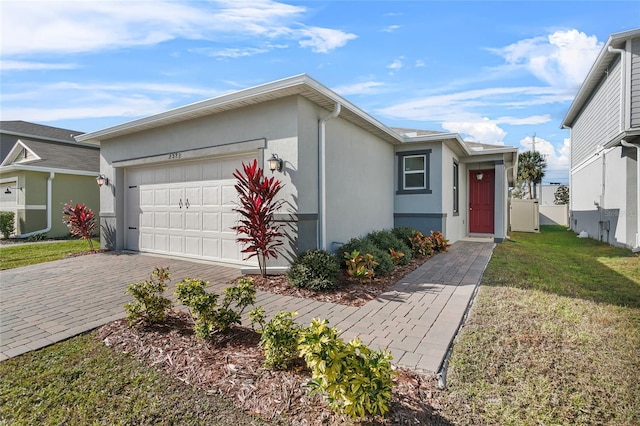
(50, 155)
(300, 85)
(597, 72)
(39, 131)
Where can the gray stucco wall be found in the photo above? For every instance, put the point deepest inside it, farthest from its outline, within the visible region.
(605, 212)
(359, 182)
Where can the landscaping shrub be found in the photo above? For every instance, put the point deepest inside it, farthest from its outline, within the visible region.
(386, 240)
(365, 246)
(7, 223)
(278, 338)
(440, 244)
(316, 270)
(404, 233)
(80, 220)
(209, 317)
(355, 379)
(149, 305)
(421, 245)
(361, 267)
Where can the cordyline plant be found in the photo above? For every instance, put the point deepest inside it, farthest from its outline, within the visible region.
(258, 204)
(80, 220)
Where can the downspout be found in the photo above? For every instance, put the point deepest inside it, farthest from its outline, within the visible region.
(52, 175)
(636, 249)
(322, 179)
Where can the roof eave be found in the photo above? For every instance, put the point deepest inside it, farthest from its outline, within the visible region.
(602, 62)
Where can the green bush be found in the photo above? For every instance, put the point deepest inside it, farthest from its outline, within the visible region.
(365, 246)
(355, 379)
(7, 223)
(385, 240)
(404, 233)
(316, 270)
(440, 243)
(279, 338)
(209, 317)
(149, 305)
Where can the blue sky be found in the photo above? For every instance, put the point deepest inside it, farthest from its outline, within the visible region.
(495, 72)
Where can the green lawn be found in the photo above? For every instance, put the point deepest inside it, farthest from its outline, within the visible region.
(80, 382)
(16, 255)
(552, 338)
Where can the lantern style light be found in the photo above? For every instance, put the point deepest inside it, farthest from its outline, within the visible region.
(275, 163)
(102, 180)
(479, 176)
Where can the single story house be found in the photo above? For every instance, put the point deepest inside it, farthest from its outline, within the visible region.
(44, 168)
(171, 189)
(604, 119)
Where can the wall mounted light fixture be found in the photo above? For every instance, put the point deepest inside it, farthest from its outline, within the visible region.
(9, 188)
(479, 175)
(275, 163)
(102, 180)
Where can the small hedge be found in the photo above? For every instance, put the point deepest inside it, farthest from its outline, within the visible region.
(404, 234)
(7, 223)
(315, 270)
(364, 245)
(385, 240)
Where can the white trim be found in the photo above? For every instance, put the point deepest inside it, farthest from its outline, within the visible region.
(9, 179)
(31, 206)
(422, 171)
(15, 150)
(193, 154)
(14, 167)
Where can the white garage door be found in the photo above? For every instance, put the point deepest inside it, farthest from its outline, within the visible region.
(185, 209)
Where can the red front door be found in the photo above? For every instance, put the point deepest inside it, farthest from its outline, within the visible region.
(481, 200)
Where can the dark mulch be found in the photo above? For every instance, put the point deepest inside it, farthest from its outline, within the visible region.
(231, 365)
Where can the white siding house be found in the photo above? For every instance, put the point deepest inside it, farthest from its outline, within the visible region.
(604, 119)
(345, 174)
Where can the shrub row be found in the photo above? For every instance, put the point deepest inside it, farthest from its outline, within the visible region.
(356, 380)
(319, 270)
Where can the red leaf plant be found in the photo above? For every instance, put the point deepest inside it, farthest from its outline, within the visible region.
(80, 220)
(258, 203)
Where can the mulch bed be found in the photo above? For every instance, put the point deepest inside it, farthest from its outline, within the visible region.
(231, 364)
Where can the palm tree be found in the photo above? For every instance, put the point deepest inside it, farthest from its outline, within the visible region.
(531, 167)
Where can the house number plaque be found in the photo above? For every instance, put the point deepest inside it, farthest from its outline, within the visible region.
(174, 155)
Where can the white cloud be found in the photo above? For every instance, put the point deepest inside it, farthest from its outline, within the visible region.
(485, 131)
(557, 158)
(32, 66)
(396, 64)
(28, 28)
(419, 63)
(561, 59)
(391, 28)
(230, 52)
(324, 40)
(365, 88)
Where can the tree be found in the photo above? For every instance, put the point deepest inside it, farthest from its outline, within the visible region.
(561, 195)
(257, 194)
(80, 220)
(531, 167)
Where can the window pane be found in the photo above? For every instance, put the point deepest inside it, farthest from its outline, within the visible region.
(414, 180)
(415, 163)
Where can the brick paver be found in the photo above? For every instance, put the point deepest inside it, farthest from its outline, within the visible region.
(416, 320)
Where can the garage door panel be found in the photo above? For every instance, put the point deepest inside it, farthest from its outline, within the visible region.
(211, 222)
(185, 209)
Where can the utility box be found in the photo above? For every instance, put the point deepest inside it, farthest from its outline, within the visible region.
(524, 215)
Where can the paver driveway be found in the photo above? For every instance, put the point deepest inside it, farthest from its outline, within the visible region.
(416, 319)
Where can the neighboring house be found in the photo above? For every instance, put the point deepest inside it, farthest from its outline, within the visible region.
(43, 168)
(171, 189)
(604, 119)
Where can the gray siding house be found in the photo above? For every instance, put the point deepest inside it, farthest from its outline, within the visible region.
(604, 119)
(42, 168)
(171, 189)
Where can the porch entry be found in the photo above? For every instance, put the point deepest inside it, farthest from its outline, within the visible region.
(481, 201)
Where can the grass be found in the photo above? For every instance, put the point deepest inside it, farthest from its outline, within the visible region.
(16, 255)
(553, 336)
(81, 381)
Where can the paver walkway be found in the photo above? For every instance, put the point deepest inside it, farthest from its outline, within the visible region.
(416, 320)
